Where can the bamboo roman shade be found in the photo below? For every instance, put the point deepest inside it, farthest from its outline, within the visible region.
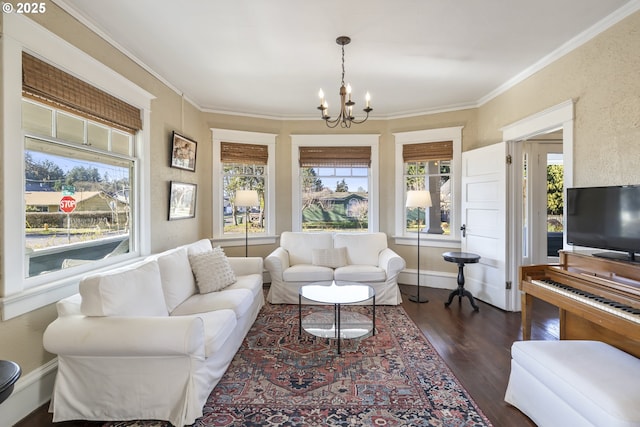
(243, 153)
(47, 84)
(335, 156)
(427, 151)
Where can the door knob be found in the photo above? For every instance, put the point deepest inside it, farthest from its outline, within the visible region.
(464, 230)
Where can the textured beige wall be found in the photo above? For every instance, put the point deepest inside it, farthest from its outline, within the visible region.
(602, 76)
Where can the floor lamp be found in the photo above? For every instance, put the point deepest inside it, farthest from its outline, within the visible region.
(418, 199)
(246, 199)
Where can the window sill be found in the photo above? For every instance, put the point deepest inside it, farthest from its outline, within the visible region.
(239, 240)
(435, 242)
(51, 292)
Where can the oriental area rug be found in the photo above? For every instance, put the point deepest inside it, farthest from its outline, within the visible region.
(393, 378)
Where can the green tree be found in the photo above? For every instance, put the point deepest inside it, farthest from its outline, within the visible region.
(555, 185)
(310, 181)
(415, 179)
(84, 178)
(46, 173)
(342, 187)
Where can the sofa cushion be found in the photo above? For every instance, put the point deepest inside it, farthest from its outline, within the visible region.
(251, 282)
(238, 300)
(334, 257)
(307, 273)
(130, 291)
(178, 282)
(202, 245)
(362, 248)
(212, 270)
(300, 245)
(69, 306)
(219, 325)
(360, 273)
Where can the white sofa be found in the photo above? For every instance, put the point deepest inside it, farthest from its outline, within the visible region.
(354, 257)
(141, 342)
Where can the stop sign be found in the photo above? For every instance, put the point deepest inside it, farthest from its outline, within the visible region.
(67, 204)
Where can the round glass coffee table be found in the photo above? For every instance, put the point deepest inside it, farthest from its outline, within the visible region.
(337, 325)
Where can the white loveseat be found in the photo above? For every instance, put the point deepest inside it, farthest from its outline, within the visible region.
(141, 342)
(354, 257)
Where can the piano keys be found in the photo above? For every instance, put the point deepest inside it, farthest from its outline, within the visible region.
(598, 299)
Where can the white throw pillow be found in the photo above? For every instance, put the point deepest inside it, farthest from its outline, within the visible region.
(212, 270)
(333, 258)
(130, 291)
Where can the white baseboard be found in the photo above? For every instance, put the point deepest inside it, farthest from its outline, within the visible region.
(429, 279)
(30, 392)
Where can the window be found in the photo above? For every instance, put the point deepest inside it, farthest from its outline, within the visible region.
(77, 197)
(243, 161)
(243, 168)
(22, 92)
(429, 160)
(335, 182)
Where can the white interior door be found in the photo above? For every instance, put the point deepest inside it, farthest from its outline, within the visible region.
(485, 223)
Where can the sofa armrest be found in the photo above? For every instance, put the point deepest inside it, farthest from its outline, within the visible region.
(276, 262)
(391, 263)
(243, 266)
(79, 335)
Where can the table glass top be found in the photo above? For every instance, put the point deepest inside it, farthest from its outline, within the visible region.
(337, 292)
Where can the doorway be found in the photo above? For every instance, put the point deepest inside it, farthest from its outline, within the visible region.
(556, 120)
(543, 198)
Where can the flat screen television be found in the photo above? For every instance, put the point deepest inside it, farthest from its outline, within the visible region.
(605, 218)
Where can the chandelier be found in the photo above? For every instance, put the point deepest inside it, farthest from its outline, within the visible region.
(345, 118)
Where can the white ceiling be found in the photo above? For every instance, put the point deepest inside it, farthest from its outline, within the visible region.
(270, 58)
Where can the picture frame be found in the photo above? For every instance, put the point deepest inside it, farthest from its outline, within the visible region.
(182, 200)
(183, 152)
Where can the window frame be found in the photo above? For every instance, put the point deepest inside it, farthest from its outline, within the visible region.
(372, 140)
(426, 136)
(244, 137)
(19, 295)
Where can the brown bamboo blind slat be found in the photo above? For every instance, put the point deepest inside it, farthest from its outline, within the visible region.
(45, 83)
(335, 156)
(243, 153)
(427, 151)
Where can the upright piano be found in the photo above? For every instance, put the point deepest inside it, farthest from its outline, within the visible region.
(598, 299)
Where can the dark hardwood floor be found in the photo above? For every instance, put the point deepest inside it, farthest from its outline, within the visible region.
(475, 345)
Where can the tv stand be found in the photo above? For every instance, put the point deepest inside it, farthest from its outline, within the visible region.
(619, 256)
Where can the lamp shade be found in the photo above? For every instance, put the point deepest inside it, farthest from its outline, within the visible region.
(247, 198)
(418, 199)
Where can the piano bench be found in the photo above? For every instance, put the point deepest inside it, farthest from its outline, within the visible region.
(574, 383)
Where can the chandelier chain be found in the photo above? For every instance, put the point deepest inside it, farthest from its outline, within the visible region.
(342, 65)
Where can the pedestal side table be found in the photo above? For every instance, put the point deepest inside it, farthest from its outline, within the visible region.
(9, 374)
(461, 258)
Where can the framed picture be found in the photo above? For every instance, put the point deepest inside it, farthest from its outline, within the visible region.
(183, 152)
(182, 200)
